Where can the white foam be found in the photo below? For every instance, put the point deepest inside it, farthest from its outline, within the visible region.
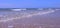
(28, 15)
(10, 26)
(57, 9)
(17, 9)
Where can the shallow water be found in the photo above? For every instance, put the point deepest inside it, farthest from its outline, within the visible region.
(29, 18)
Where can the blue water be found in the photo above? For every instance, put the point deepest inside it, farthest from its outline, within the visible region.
(26, 9)
(29, 10)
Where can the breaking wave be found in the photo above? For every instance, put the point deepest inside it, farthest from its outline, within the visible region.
(17, 9)
(23, 14)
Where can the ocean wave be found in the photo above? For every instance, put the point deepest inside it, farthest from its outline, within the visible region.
(19, 15)
(17, 9)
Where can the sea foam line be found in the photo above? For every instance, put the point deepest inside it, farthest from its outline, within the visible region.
(29, 15)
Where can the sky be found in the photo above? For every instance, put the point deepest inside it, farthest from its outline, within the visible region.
(29, 3)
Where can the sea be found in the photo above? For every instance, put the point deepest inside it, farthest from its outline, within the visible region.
(11, 13)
